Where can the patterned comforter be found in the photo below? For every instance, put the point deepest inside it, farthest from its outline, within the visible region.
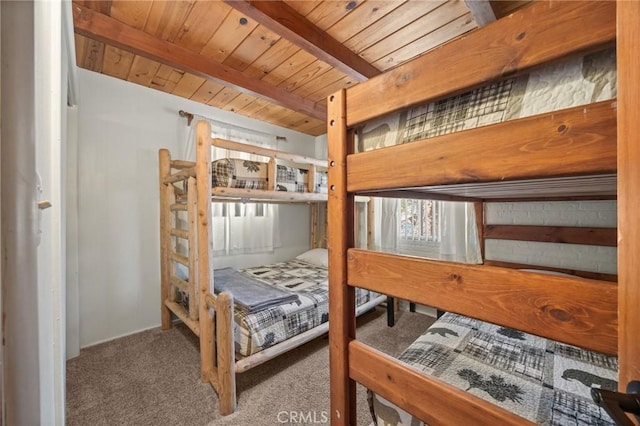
(541, 380)
(257, 331)
(237, 173)
(567, 83)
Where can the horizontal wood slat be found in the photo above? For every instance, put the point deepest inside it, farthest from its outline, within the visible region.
(267, 152)
(113, 32)
(433, 401)
(553, 234)
(181, 284)
(179, 258)
(600, 276)
(579, 140)
(182, 164)
(183, 315)
(267, 196)
(178, 207)
(180, 233)
(501, 49)
(183, 174)
(571, 310)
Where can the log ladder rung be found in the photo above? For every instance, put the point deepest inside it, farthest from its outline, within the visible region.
(178, 207)
(182, 313)
(179, 258)
(181, 233)
(181, 284)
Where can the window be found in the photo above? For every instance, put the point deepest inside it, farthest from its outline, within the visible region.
(420, 230)
(419, 221)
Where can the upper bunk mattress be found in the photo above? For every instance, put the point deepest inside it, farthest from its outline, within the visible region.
(541, 380)
(567, 83)
(254, 332)
(238, 173)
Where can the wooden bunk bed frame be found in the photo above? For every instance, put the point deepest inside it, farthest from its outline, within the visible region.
(574, 153)
(211, 316)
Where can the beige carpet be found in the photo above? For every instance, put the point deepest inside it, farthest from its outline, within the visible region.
(152, 378)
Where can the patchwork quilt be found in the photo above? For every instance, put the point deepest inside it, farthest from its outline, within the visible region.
(256, 331)
(544, 381)
(238, 173)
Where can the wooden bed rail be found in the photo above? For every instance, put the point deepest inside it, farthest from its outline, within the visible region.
(267, 152)
(435, 402)
(311, 164)
(584, 136)
(576, 311)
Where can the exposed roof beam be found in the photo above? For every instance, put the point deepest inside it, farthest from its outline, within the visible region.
(481, 11)
(108, 30)
(286, 21)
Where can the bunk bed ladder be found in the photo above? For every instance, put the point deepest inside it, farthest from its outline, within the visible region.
(171, 233)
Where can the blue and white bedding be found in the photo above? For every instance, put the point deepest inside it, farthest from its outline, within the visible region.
(544, 381)
(256, 331)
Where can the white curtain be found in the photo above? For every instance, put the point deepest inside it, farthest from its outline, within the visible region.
(459, 242)
(458, 233)
(385, 233)
(238, 228)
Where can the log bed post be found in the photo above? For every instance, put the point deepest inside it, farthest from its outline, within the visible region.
(205, 278)
(165, 226)
(628, 20)
(192, 221)
(226, 353)
(342, 306)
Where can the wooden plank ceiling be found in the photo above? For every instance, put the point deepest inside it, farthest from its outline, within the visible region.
(275, 61)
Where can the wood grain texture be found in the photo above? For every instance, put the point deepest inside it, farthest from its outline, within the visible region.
(192, 233)
(553, 234)
(434, 402)
(571, 310)
(164, 161)
(499, 50)
(286, 21)
(226, 353)
(600, 276)
(342, 306)
(204, 275)
(574, 141)
(628, 190)
(106, 29)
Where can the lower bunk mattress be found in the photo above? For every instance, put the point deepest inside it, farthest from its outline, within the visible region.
(256, 331)
(544, 381)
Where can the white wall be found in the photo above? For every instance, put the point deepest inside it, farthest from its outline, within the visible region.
(575, 213)
(121, 128)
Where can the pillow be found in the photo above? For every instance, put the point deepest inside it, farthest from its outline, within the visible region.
(317, 256)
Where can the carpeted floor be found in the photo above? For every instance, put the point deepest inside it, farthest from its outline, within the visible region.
(152, 378)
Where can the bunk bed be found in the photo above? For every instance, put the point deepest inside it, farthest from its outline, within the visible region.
(575, 153)
(242, 317)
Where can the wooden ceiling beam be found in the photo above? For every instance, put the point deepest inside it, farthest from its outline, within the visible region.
(286, 21)
(110, 31)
